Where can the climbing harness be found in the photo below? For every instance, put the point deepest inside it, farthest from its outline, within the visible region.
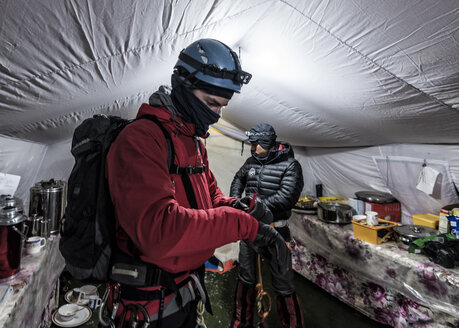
(263, 299)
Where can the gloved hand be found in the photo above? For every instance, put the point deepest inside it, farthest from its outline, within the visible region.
(266, 236)
(260, 211)
(268, 241)
(255, 207)
(242, 203)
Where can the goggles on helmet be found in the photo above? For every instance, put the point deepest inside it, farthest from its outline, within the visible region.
(255, 136)
(238, 75)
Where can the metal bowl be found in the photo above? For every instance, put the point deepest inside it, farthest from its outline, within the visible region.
(335, 213)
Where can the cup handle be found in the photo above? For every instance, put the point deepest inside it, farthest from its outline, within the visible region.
(42, 242)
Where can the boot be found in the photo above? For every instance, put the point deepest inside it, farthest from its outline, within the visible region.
(244, 305)
(289, 310)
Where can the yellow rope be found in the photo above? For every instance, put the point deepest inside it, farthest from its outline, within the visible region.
(200, 318)
(263, 299)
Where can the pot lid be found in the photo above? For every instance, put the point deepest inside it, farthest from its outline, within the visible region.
(10, 215)
(375, 197)
(415, 231)
(50, 185)
(8, 200)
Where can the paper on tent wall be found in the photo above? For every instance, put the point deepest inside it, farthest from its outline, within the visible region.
(9, 183)
(427, 179)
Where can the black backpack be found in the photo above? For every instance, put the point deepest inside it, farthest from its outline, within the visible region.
(88, 230)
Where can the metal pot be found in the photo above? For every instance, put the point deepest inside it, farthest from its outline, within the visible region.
(335, 212)
(12, 233)
(48, 199)
(406, 234)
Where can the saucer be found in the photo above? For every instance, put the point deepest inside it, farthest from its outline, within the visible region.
(80, 318)
(68, 298)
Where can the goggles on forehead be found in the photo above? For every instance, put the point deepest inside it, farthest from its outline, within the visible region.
(255, 136)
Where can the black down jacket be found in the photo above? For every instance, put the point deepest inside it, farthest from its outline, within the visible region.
(278, 181)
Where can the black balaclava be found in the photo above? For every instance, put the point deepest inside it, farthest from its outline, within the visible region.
(193, 109)
(264, 134)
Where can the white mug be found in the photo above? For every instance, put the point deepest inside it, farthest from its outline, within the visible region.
(372, 218)
(34, 244)
(78, 295)
(94, 302)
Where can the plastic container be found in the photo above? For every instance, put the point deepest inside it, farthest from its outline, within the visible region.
(373, 234)
(426, 220)
(330, 199)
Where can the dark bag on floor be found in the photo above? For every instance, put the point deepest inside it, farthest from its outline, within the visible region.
(88, 229)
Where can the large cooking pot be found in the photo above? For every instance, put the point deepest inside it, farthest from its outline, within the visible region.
(335, 212)
(48, 199)
(406, 234)
(12, 231)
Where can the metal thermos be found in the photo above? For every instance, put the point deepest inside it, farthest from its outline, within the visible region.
(33, 222)
(44, 227)
(48, 199)
(319, 190)
(12, 233)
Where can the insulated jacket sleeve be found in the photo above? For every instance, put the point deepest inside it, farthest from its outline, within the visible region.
(152, 213)
(239, 182)
(290, 189)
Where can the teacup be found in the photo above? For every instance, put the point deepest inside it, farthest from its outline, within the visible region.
(68, 311)
(34, 244)
(94, 302)
(78, 295)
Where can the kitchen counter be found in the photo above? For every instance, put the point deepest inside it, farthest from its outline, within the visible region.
(384, 282)
(35, 289)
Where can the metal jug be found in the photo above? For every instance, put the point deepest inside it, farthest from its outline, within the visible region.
(48, 199)
(12, 234)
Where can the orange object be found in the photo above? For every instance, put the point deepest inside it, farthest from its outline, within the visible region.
(373, 234)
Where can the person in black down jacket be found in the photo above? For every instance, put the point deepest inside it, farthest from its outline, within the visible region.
(273, 173)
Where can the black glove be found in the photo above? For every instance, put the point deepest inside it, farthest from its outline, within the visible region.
(269, 242)
(242, 203)
(255, 207)
(261, 212)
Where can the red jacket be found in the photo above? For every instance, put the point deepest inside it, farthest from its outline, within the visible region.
(151, 206)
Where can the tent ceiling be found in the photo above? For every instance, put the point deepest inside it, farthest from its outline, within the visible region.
(326, 73)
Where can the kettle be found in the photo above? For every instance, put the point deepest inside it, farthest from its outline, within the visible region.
(12, 234)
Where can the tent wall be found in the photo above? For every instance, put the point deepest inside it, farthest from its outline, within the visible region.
(343, 171)
(22, 158)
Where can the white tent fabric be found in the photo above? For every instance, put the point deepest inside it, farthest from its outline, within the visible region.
(330, 76)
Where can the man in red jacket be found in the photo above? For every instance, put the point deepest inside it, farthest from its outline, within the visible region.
(169, 221)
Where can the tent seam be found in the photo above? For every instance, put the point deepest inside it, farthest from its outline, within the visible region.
(369, 59)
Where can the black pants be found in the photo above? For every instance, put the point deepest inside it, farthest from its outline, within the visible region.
(281, 279)
(185, 318)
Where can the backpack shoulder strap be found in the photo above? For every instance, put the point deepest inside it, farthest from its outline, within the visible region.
(184, 172)
(170, 144)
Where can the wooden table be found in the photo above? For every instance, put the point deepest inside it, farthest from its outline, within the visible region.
(384, 282)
